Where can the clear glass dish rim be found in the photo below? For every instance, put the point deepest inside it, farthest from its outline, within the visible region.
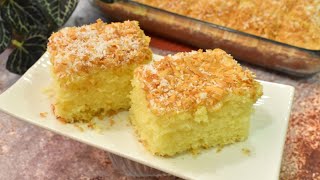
(212, 25)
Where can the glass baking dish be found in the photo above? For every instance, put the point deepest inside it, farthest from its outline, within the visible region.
(243, 46)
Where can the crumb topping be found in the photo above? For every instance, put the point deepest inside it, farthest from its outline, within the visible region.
(43, 114)
(184, 81)
(246, 151)
(292, 22)
(76, 49)
(111, 121)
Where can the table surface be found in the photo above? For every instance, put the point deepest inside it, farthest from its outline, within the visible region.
(29, 152)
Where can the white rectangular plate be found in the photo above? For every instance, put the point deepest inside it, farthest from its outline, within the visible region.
(25, 100)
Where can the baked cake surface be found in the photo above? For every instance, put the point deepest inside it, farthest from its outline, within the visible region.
(92, 67)
(190, 101)
(294, 22)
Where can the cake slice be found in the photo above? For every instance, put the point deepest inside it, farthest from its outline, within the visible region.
(92, 68)
(191, 101)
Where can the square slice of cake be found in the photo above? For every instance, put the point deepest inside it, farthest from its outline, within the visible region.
(191, 101)
(92, 68)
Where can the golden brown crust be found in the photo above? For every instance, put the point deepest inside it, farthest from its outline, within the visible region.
(62, 120)
(295, 22)
(186, 81)
(301, 25)
(116, 45)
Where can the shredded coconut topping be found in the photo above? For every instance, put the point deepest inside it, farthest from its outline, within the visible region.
(75, 49)
(296, 22)
(186, 80)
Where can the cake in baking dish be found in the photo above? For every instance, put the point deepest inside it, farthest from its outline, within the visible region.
(191, 101)
(92, 67)
(294, 22)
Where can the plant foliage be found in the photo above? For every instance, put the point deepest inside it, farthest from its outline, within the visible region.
(26, 25)
(5, 35)
(59, 11)
(27, 53)
(23, 16)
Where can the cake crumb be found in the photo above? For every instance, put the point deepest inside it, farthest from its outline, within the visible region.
(195, 152)
(111, 122)
(246, 151)
(91, 125)
(100, 117)
(62, 120)
(48, 91)
(79, 127)
(53, 108)
(43, 114)
(219, 149)
(112, 112)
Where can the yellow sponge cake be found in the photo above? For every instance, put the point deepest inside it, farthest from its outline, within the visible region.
(92, 67)
(191, 101)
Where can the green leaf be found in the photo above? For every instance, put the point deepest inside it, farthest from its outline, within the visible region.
(24, 15)
(5, 35)
(23, 57)
(59, 10)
